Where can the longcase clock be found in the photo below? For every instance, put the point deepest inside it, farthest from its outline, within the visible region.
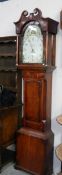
(36, 46)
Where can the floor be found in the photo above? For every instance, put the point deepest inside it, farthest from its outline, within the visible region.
(10, 170)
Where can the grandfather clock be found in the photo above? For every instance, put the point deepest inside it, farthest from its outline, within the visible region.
(36, 46)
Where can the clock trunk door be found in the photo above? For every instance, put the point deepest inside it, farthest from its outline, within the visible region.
(34, 110)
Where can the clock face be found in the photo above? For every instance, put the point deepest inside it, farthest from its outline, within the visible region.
(32, 50)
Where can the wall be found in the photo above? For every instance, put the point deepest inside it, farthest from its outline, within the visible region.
(10, 12)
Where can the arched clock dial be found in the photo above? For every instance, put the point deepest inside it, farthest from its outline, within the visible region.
(32, 49)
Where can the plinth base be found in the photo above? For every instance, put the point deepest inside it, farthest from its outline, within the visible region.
(34, 151)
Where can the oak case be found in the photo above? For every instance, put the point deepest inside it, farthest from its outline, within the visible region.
(34, 141)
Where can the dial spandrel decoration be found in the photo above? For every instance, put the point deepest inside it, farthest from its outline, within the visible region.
(32, 50)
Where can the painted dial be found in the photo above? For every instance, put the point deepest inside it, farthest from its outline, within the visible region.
(32, 50)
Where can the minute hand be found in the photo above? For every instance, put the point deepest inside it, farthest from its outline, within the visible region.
(31, 45)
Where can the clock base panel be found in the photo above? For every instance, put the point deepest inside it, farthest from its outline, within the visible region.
(34, 151)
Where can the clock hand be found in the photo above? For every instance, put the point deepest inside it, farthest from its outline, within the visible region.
(31, 46)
